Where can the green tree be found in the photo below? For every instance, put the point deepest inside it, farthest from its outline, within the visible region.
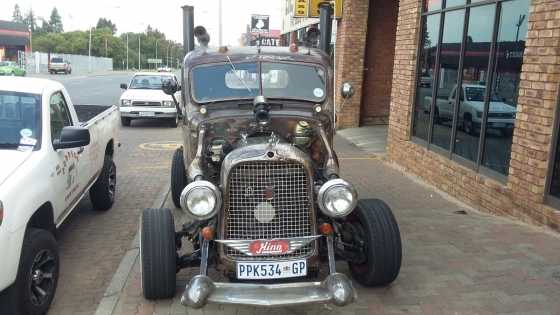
(16, 16)
(106, 23)
(55, 22)
(31, 20)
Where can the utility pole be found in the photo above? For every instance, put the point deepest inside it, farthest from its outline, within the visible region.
(138, 52)
(220, 23)
(89, 53)
(156, 64)
(127, 51)
(106, 51)
(167, 55)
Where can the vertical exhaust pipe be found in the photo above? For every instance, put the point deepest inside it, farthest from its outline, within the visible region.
(325, 25)
(188, 28)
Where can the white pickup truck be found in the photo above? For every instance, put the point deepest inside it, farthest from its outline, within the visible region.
(501, 116)
(52, 153)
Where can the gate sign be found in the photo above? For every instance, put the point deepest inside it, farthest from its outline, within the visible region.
(265, 41)
(260, 23)
(301, 8)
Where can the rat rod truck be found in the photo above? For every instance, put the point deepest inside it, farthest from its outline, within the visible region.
(52, 153)
(259, 179)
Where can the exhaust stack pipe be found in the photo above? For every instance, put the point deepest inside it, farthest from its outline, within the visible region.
(325, 24)
(188, 28)
(202, 36)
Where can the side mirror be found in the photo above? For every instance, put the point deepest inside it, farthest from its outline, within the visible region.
(72, 137)
(124, 86)
(347, 90)
(170, 87)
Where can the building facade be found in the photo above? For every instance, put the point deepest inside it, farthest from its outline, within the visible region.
(14, 41)
(471, 99)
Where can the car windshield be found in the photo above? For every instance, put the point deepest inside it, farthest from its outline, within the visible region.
(57, 60)
(149, 82)
(20, 120)
(241, 80)
(476, 94)
(7, 64)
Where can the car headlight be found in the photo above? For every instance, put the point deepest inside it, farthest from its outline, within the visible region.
(337, 198)
(167, 103)
(126, 102)
(201, 200)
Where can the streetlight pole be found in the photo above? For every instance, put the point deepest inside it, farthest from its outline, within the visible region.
(89, 50)
(156, 64)
(167, 55)
(127, 51)
(220, 23)
(139, 52)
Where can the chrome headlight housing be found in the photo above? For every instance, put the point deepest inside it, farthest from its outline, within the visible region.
(167, 103)
(337, 198)
(201, 200)
(126, 102)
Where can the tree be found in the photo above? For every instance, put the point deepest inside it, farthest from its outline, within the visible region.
(16, 16)
(30, 20)
(55, 22)
(106, 23)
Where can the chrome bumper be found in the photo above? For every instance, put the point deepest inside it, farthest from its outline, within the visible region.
(336, 289)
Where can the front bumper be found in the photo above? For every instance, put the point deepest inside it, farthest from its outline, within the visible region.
(158, 112)
(336, 288)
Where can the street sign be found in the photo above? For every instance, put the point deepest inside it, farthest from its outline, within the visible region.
(301, 8)
(265, 41)
(152, 60)
(260, 23)
(314, 8)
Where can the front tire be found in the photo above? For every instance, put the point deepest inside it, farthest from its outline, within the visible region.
(178, 177)
(125, 121)
(158, 254)
(377, 227)
(102, 193)
(37, 277)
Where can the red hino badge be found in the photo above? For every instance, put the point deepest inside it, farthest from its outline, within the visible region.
(272, 247)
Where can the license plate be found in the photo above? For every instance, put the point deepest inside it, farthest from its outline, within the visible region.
(147, 114)
(271, 270)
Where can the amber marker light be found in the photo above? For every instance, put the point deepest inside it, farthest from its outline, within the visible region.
(208, 233)
(326, 229)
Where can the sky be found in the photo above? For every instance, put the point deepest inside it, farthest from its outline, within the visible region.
(165, 15)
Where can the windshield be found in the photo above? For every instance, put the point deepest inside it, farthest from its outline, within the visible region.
(57, 60)
(20, 120)
(7, 64)
(476, 94)
(149, 82)
(241, 80)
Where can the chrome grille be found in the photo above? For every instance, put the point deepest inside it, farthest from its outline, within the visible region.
(142, 103)
(285, 186)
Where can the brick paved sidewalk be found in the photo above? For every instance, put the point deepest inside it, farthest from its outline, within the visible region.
(456, 261)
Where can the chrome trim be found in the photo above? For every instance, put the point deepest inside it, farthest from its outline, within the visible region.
(331, 165)
(201, 184)
(195, 168)
(243, 245)
(329, 185)
(204, 257)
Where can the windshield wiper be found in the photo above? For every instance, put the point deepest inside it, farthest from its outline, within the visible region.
(237, 76)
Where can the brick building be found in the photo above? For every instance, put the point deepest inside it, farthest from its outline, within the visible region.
(494, 141)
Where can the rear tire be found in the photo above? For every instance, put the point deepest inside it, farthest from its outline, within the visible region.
(178, 177)
(37, 272)
(125, 121)
(102, 193)
(380, 232)
(158, 254)
(174, 122)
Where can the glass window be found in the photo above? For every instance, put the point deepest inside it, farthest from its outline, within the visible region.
(20, 117)
(452, 3)
(431, 5)
(425, 81)
(448, 74)
(475, 72)
(505, 85)
(295, 81)
(555, 180)
(149, 82)
(60, 117)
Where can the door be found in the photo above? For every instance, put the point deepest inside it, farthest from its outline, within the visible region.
(66, 180)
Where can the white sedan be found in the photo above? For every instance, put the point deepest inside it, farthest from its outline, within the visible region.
(144, 98)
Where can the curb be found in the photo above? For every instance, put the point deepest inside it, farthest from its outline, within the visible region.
(113, 292)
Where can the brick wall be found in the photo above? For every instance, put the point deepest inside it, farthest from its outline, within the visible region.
(350, 48)
(378, 65)
(523, 195)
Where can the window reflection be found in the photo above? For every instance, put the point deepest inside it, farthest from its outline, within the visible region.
(452, 3)
(426, 76)
(449, 65)
(475, 73)
(505, 85)
(431, 5)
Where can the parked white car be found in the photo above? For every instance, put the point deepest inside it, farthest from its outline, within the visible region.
(144, 98)
(52, 153)
(501, 116)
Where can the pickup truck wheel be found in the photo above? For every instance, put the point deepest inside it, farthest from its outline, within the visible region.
(174, 122)
(468, 126)
(437, 118)
(158, 254)
(102, 193)
(178, 177)
(37, 277)
(378, 232)
(125, 121)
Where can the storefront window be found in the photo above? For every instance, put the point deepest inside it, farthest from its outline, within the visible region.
(474, 103)
(425, 80)
(475, 73)
(449, 66)
(505, 84)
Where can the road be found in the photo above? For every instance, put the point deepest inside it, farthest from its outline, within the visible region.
(93, 243)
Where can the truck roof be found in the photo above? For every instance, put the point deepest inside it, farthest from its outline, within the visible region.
(28, 85)
(253, 53)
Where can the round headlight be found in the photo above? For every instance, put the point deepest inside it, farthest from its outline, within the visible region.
(200, 200)
(337, 198)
